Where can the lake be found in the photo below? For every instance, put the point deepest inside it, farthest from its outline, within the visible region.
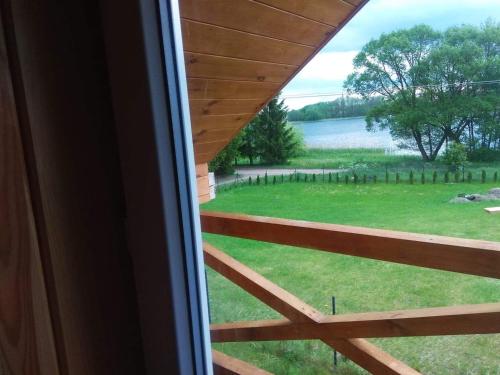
(343, 133)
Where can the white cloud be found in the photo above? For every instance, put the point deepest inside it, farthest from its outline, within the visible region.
(332, 66)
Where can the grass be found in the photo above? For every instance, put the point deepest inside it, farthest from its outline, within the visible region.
(374, 162)
(359, 284)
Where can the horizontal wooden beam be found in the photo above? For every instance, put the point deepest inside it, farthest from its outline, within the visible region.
(360, 351)
(473, 257)
(226, 365)
(456, 320)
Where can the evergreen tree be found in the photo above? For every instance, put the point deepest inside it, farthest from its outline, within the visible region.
(276, 140)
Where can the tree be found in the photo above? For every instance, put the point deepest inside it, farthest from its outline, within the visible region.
(223, 163)
(341, 107)
(424, 78)
(249, 141)
(276, 140)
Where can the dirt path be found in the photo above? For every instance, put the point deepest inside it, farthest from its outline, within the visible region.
(242, 174)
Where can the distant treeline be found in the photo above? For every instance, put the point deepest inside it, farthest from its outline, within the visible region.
(341, 107)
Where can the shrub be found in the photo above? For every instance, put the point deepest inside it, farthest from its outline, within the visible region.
(330, 177)
(274, 180)
(250, 180)
(455, 156)
(265, 178)
(257, 181)
(282, 178)
(484, 154)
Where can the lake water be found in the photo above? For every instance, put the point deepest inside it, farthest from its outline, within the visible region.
(343, 133)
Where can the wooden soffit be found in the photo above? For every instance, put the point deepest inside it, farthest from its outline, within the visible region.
(240, 53)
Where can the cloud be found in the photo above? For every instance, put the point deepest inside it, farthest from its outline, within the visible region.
(329, 66)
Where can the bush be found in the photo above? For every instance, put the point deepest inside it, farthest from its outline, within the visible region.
(258, 180)
(274, 180)
(330, 177)
(484, 154)
(455, 156)
(265, 178)
(223, 163)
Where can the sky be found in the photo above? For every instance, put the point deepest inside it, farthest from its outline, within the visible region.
(326, 72)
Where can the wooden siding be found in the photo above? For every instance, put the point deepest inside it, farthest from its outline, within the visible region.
(240, 53)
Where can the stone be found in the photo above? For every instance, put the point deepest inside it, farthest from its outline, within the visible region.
(460, 200)
(495, 192)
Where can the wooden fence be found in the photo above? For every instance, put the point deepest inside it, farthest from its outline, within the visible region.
(347, 332)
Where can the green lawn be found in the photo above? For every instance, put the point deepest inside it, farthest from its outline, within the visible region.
(376, 162)
(359, 285)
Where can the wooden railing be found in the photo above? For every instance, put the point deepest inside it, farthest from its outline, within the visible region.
(347, 332)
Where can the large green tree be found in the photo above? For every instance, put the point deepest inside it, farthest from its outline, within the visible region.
(276, 140)
(427, 81)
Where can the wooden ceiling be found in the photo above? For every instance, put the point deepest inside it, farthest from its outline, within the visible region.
(240, 53)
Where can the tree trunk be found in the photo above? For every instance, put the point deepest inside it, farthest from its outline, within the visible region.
(418, 139)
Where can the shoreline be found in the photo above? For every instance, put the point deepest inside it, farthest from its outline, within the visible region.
(327, 119)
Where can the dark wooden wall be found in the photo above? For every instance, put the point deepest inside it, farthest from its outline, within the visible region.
(68, 303)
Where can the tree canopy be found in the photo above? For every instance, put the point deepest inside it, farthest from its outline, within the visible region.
(338, 108)
(267, 137)
(435, 86)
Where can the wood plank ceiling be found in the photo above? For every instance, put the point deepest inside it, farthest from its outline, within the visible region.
(240, 53)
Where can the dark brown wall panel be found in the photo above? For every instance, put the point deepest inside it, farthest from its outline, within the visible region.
(76, 185)
(26, 336)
